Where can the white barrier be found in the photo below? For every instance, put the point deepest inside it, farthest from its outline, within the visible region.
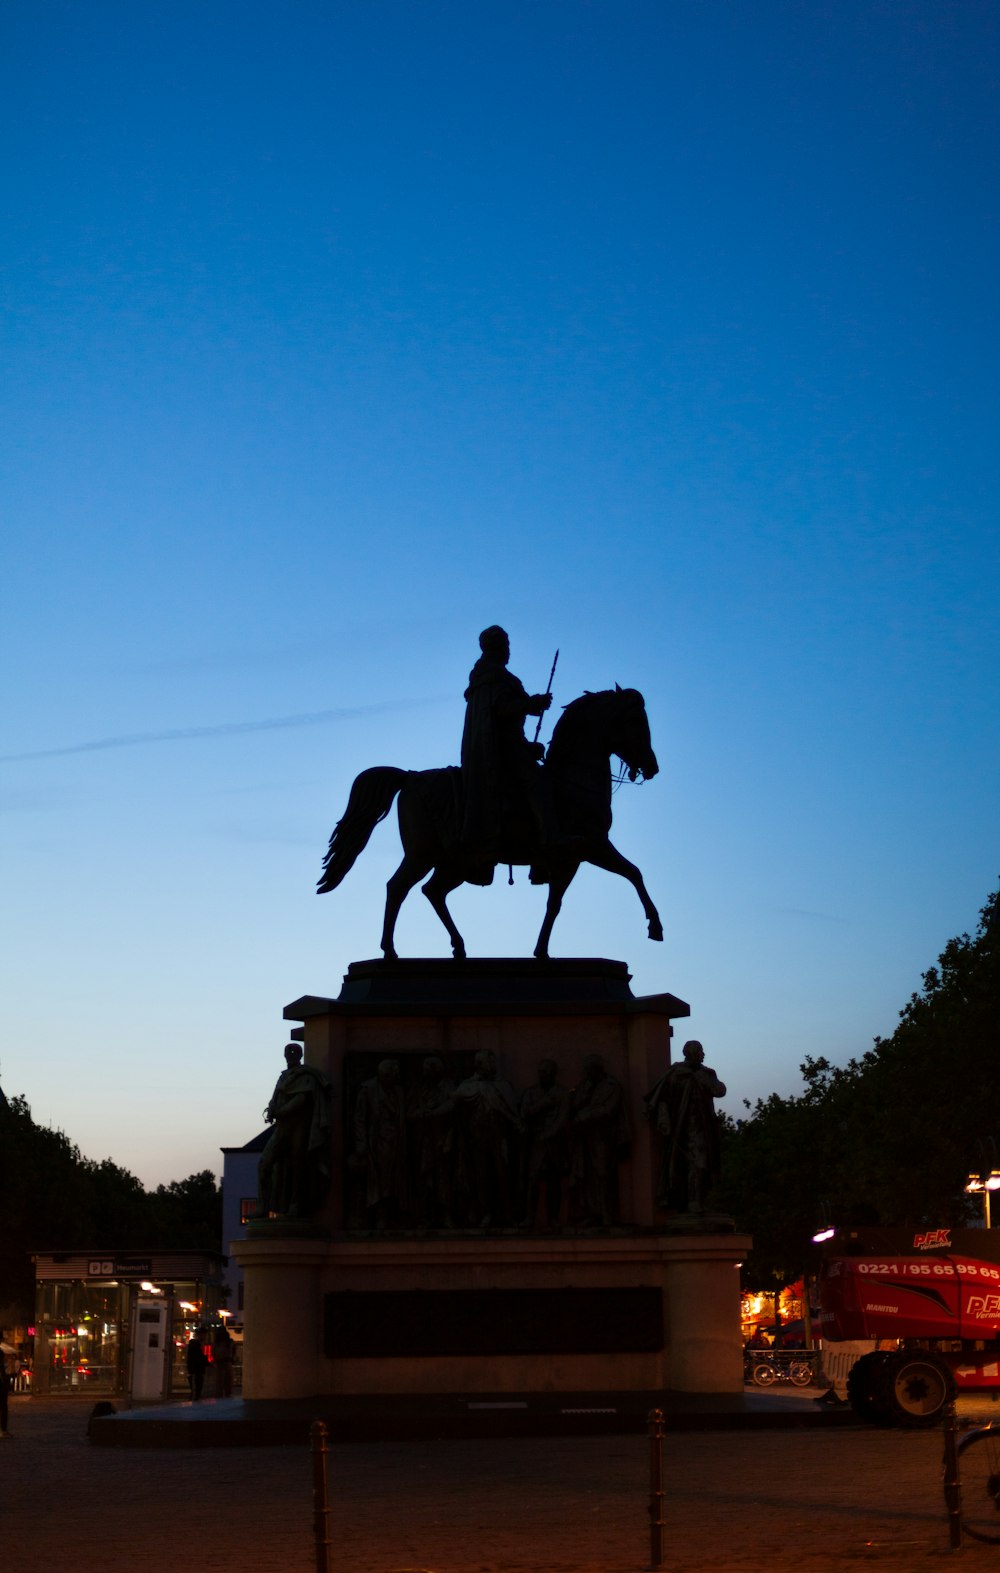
(838, 1359)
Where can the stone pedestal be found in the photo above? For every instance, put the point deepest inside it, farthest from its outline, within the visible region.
(501, 1316)
(636, 1306)
(282, 1347)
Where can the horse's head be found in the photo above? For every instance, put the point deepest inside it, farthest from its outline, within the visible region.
(629, 737)
(598, 725)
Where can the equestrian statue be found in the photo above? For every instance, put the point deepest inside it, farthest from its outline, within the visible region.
(510, 802)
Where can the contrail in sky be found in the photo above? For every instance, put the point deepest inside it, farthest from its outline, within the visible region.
(223, 729)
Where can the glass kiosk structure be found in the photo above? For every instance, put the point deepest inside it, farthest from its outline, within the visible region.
(112, 1324)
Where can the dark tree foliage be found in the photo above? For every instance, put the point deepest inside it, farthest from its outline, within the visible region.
(53, 1199)
(187, 1212)
(889, 1138)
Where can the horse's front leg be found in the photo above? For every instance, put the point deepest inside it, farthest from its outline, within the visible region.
(558, 885)
(437, 888)
(608, 857)
(397, 889)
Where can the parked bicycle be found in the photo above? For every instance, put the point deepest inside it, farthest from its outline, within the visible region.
(766, 1367)
(979, 1476)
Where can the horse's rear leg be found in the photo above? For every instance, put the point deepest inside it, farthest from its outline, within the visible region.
(437, 888)
(609, 857)
(397, 889)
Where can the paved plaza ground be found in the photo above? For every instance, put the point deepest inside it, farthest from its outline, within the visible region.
(754, 1501)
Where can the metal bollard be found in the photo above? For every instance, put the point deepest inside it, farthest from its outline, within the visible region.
(657, 1432)
(321, 1502)
(952, 1483)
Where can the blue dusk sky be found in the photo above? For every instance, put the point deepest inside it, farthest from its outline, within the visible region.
(664, 333)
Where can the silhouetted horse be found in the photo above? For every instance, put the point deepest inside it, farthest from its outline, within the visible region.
(578, 768)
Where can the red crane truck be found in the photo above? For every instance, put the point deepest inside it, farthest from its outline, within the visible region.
(933, 1297)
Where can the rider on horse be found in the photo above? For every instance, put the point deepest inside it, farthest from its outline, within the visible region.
(502, 779)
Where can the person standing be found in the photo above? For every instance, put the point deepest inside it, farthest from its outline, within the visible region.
(8, 1355)
(223, 1354)
(196, 1361)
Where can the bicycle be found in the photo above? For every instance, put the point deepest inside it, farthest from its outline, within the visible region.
(765, 1370)
(979, 1475)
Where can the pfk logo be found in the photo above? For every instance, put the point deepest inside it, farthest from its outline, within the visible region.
(985, 1306)
(933, 1240)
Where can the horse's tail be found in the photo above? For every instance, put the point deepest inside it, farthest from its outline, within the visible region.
(370, 800)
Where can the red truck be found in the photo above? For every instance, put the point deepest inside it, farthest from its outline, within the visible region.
(931, 1298)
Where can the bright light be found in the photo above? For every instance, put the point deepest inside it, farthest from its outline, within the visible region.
(225, 1314)
(83, 1332)
(824, 1234)
(974, 1183)
(993, 1182)
(186, 1305)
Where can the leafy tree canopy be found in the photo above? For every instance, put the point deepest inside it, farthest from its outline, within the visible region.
(54, 1199)
(889, 1138)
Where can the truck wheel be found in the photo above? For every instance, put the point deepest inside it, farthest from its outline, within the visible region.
(915, 1389)
(864, 1388)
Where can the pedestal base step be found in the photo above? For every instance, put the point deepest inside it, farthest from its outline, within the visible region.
(234, 1422)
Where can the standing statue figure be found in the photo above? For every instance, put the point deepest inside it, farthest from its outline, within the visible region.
(490, 1128)
(380, 1144)
(681, 1108)
(544, 1114)
(600, 1131)
(294, 1168)
(432, 1116)
(501, 773)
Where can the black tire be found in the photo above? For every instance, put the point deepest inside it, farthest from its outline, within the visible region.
(764, 1374)
(979, 1473)
(864, 1389)
(914, 1389)
(800, 1373)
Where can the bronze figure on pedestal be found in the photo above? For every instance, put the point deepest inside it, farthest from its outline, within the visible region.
(504, 806)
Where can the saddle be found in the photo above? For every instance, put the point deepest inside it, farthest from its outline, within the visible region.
(440, 791)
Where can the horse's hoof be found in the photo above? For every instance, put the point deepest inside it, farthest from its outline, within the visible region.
(541, 953)
(656, 930)
(388, 953)
(458, 952)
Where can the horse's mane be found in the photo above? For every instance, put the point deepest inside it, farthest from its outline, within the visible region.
(590, 700)
(587, 708)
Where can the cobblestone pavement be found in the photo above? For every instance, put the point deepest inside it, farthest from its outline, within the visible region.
(747, 1501)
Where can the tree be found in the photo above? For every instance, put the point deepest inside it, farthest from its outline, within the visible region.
(885, 1139)
(56, 1200)
(187, 1213)
(42, 1202)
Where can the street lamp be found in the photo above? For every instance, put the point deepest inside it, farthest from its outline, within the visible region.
(984, 1183)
